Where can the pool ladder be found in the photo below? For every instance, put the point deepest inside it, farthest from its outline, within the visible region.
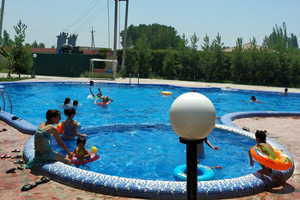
(3, 99)
(138, 79)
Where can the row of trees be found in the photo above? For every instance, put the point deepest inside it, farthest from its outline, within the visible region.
(276, 62)
(157, 51)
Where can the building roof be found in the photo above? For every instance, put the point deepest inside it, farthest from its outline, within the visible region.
(53, 51)
(43, 50)
(244, 47)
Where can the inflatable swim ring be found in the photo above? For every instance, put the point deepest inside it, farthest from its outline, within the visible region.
(90, 96)
(166, 92)
(92, 158)
(282, 162)
(60, 128)
(102, 104)
(204, 173)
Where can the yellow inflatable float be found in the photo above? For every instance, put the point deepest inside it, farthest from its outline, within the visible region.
(166, 92)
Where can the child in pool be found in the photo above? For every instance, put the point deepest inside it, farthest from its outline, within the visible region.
(75, 103)
(105, 99)
(70, 126)
(200, 151)
(266, 148)
(67, 103)
(253, 99)
(81, 153)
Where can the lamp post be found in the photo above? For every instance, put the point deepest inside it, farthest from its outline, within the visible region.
(193, 117)
(33, 67)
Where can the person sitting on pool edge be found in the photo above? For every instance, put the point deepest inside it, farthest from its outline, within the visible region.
(253, 99)
(70, 126)
(266, 148)
(43, 150)
(105, 99)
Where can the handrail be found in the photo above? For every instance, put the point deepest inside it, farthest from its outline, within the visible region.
(9, 102)
(3, 100)
(1, 91)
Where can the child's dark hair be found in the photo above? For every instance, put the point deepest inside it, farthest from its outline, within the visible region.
(67, 100)
(69, 111)
(52, 114)
(75, 103)
(261, 135)
(80, 139)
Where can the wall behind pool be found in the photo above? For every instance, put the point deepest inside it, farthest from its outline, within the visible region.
(63, 64)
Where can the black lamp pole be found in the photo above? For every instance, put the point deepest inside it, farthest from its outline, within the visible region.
(191, 167)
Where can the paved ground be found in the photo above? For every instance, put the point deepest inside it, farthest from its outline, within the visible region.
(284, 130)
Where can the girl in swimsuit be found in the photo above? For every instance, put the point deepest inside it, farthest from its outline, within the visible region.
(70, 126)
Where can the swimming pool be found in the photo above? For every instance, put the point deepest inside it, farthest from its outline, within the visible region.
(133, 103)
(138, 106)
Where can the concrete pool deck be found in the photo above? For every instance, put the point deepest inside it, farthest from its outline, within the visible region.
(11, 183)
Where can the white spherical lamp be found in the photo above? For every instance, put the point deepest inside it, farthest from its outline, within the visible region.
(34, 55)
(192, 116)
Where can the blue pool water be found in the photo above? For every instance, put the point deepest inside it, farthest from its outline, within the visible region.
(151, 152)
(137, 140)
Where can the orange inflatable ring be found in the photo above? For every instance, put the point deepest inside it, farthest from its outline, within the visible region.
(282, 162)
(60, 128)
(166, 92)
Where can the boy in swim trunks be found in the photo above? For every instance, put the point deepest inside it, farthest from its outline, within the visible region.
(266, 148)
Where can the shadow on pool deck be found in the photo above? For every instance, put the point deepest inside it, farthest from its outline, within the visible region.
(10, 184)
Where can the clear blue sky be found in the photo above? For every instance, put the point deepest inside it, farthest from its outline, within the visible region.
(230, 18)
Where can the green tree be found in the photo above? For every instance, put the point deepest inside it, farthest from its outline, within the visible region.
(169, 64)
(9, 58)
(194, 40)
(195, 69)
(34, 44)
(279, 40)
(206, 59)
(158, 36)
(131, 63)
(143, 56)
(6, 41)
(237, 63)
(21, 54)
(294, 71)
(218, 65)
(41, 45)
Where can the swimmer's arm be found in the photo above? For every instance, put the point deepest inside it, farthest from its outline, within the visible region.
(92, 92)
(55, 133)
(109, 101)
(100, 92)
(210, 145)
(76, 129)
(86, 153)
